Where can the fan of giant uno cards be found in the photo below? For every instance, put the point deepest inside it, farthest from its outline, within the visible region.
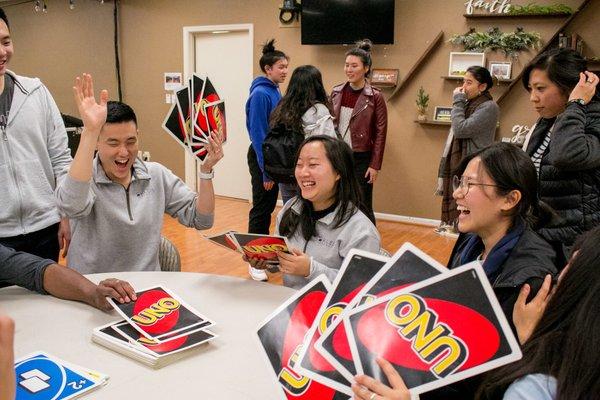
(358, 268)
(408, 266)
(261, 247)
(444, 329)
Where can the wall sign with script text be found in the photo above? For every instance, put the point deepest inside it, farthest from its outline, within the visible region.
(492, 7)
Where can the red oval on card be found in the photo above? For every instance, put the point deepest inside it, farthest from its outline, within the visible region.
(300, 321)
(477, 332)
(264, 248)
(155, 318)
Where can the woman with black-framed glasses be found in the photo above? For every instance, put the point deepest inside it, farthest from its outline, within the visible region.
(496, 192)
(497, 200)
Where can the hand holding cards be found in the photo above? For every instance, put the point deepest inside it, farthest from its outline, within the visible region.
(253, 246)
(432, 325)
(197, 121)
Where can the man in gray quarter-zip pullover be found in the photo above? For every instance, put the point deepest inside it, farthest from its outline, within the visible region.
(33, 154)
(117, 202)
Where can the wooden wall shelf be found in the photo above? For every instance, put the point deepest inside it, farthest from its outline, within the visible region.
(432, 122)
(434, 43)
(513, 16)
(460, 78)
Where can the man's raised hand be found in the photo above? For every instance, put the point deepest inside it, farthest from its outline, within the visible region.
(92, 113)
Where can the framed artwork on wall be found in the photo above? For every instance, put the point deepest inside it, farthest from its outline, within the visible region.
(384, 77)
(460, 61)
(442, 113)
(500, 70)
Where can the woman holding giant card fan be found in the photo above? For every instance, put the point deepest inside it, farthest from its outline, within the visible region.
(496, 195)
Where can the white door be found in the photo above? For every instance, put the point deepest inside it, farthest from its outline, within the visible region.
(225, 56)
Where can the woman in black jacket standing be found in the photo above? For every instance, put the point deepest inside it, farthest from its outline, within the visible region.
(565, 143)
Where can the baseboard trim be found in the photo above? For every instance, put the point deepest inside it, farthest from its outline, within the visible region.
(407, 219)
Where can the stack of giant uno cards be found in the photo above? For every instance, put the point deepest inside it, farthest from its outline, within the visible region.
(198, 112)
(433, 325)
(158, 328)
(260, 247)
(43, 376)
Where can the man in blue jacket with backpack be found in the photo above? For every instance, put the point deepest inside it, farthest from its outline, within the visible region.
(264, 96)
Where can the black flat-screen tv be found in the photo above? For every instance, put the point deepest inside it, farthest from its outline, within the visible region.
(346, 21)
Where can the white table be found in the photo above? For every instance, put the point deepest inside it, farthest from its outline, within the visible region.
(230, 367)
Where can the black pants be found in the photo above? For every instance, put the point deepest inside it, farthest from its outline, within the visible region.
(361, 164)
(43, 243)
(263, 201)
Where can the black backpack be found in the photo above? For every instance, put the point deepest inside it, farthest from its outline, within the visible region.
(279, 153)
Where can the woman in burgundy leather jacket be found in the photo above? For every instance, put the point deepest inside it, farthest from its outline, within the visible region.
(360, 117)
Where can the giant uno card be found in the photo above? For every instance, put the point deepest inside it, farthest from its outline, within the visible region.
(158, 313)
(436, 332)
(172, 344)
(261, 247)
(209, 95)
(44, 377)
(185, 109)
(175, 126)
(281, 336)
(357, 269)
(407, 266)
(225, 240)
(215, 119)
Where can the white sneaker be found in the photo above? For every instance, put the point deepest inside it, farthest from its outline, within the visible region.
(257, 274)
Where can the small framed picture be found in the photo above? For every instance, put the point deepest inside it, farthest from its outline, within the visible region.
(384, 77)
(172, 80)
(442, 114)
(460, 61)
(500, 70)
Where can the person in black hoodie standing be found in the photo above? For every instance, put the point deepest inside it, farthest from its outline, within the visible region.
(565, 143)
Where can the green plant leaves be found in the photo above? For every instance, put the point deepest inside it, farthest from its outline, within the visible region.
(495, 40)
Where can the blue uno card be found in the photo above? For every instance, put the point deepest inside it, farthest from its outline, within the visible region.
(40, 377)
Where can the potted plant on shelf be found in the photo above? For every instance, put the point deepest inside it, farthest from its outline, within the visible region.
(422, 104)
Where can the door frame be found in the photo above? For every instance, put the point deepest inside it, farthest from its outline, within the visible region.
(189, 59)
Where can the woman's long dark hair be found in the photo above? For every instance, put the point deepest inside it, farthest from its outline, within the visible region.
(511, 169)
(563, 67)
(347, 193)
(304, 91)
(566, 342)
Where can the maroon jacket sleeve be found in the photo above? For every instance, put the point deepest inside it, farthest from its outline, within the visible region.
(379, 130)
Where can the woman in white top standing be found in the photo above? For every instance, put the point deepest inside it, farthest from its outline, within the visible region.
(304, 109)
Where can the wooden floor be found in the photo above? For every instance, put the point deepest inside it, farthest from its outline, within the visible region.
(200, 255)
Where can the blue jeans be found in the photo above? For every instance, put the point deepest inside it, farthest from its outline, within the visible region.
(288, 191)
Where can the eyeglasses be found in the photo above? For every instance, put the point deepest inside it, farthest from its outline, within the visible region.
(464, 184)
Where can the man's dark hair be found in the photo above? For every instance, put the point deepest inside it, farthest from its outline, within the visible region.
(119, 112)
(3, 17)
(270, 56)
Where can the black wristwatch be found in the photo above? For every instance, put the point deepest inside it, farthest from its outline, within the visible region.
(581, 102)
